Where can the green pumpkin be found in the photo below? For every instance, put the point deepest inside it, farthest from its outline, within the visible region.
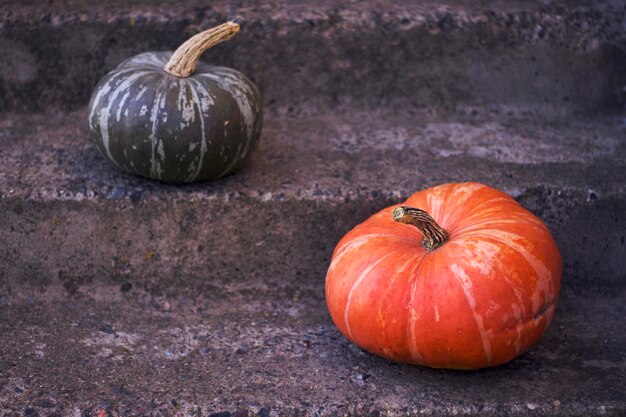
(165, 116)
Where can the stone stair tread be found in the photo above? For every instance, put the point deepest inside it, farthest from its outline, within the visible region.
(334, 156)
(124, 296)
(565, 55)
(71, 218)
(284, 8)
(129, 353)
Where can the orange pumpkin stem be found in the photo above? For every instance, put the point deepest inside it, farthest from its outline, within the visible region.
(183, 62)
(434, 235)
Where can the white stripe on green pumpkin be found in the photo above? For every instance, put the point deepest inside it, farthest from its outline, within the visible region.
(104, 115)
(203, 140)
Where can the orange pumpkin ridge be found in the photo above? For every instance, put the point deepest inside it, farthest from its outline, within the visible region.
(464, 278)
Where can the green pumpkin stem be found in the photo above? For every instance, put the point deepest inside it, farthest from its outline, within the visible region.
(183, 62)
(434, 235)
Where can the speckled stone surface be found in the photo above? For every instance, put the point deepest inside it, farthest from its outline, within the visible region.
(121, 296)
(69, 216)
(566, 56)
(119, 351)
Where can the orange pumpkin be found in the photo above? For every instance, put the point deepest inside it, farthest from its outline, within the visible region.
(474, 285)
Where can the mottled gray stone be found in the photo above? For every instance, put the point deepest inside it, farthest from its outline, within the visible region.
(186, 361)
(565, 56)
(69, 216)
(123, 296)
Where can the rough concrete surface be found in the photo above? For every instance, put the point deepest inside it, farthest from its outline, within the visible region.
(71, 217)
(568, 56)
(123, 352)
(121, 296)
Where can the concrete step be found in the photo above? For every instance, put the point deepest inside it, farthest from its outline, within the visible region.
(71, 218)
(122, 296)
(561, 56)
(108, 352)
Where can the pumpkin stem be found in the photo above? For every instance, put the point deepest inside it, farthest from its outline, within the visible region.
(183, 62)
(434, 235)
